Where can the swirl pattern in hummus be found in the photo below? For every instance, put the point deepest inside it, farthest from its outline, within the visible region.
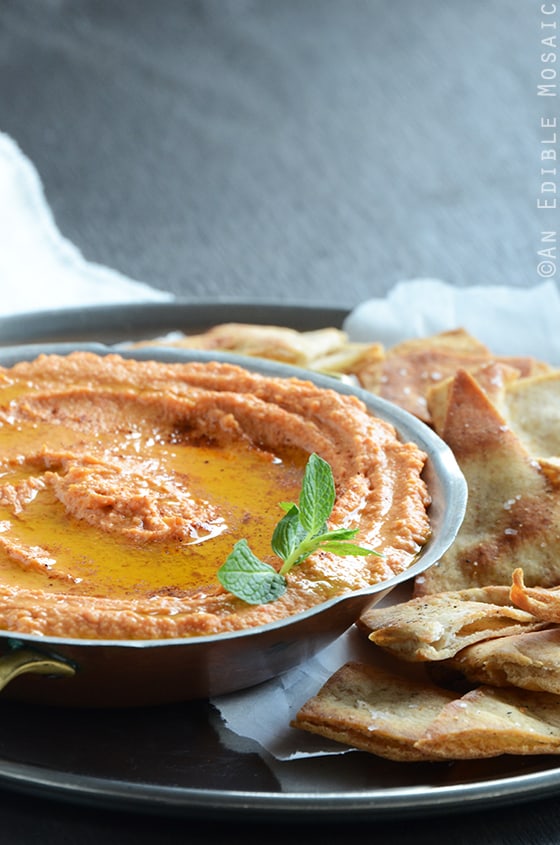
(125, 483)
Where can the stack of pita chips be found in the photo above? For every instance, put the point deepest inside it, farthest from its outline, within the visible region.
(406, 720)
(499, 646)
(484, 622)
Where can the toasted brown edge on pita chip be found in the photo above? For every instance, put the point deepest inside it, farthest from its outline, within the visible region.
(542, 602)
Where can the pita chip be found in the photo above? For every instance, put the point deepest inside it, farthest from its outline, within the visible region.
(410, 368)
(326, 349)
(374, 710)
(487, 722)
(530, 661)
(513, 510)
(493, 377)
(406, 720)
(437, 626)
(532, 408)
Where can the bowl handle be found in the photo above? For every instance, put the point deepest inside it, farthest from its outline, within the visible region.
(21, 661)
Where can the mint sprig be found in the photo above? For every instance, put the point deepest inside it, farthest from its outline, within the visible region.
(301, 531)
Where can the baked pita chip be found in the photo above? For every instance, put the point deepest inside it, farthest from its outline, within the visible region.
(352, 359)
(276, 342)
(374, 710)
(327, 349)
(543, 603)
(532, 408)
(412, 368)
(486, 722)
(513, 511)
(438, 626)
(406, 720)
(493, 377)
(530, 661)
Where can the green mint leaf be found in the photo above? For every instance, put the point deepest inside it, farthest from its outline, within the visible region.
(248, 578)
(341, 548)
(337, 534)
(288, 534)
(317, 494)
(287, 506)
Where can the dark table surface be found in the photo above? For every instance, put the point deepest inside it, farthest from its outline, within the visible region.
(297, 152)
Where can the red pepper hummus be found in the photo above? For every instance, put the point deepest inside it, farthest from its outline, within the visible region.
(124, 485)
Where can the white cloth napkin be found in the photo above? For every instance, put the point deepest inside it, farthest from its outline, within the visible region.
(39, 268)
(510, 321)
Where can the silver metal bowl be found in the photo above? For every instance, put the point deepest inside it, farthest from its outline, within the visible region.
(113, 673)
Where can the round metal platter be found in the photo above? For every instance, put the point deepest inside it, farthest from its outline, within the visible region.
(179, 759)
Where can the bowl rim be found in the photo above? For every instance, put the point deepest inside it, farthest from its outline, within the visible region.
(440, 459)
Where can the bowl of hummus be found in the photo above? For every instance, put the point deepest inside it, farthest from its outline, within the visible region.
(129, 478)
